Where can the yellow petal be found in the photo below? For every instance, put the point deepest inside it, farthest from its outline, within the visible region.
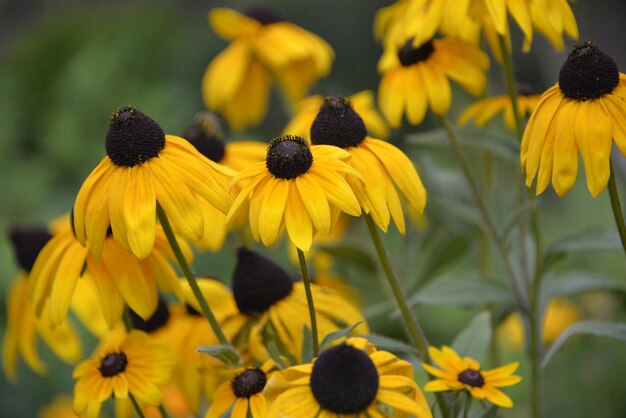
(594, 133)
(230, 24)
(140, 211)
(565, 165)
(315, 202)
(272, 209)
(297, 220)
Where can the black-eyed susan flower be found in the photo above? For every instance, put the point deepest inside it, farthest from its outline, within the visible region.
(484, 110)
(143, 167)
(207, 137)
(303, 187)
(582, 114)
(23, 327)
(349, 379)
(263, 48)
(363, 102)
(131, 365)
(456, 373)
(415, 78)
(243, 393)
(267, 297)
(117, 275)
(384, 168)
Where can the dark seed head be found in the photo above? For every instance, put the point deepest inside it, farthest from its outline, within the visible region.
(472, 377)
(588, 73)
(265, 15)
(344, 380)
(409, 55)
(158, 319)
(133, 137)
(258, 282)
(27, 243)
(288, 157)
(206, 136)
(113, 364)
(191, 310)
(249, 383)
(337, 124)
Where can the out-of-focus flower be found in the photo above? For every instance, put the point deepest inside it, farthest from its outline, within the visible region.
(484, 110)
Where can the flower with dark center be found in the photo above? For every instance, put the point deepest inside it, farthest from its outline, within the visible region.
(350, 379)
(27, 243)
(249, 383)
(206, 136)
(581, 115)
(156, 321)
(288, 157)
(464, 373)
(338, 124)
(409, 54)
(113, 364)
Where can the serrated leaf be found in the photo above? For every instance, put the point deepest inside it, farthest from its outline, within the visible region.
(333, 336)
(474, 340)
(351, 255)
(391, 344)
(227, 354)
(306, 353)
(470, 290)
(598, 328)
(575, 282)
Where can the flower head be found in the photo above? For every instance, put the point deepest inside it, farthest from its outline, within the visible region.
(351, 378)
(144, 166)
(581, 114)
(458, 373)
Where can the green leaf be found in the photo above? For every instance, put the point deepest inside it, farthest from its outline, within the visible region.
(351, 255)
(596, 240)
(390, 344)
(307, 345)
(597, 328)
(333, 336)
(491, 412)
(275, 354)
(227, 354)
(444, 252)
(470, 290)
(514, 218)
(576, 282)
(474, 339)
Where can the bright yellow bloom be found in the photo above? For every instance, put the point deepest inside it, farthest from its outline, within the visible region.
(363, 102)
(133, 365)
(263, 47)
(484, 110)
(581, 114)
(122, 192)
(303, 187)
(416, 78)
(349, 379)
(458, 373)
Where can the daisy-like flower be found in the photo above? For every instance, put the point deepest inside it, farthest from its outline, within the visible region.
(581, 114)
(383, 167)
(207, 137)
(133, 365)
(263, 47)
(349, 379)
(23, 327)
(304, 186)
(143, 167)
(484, 110)
(267, 297)
(363, 102)
(117, 275)
(415, 78)
(244, 393)
(458, 373)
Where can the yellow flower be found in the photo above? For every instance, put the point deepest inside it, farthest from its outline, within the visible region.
(244, 393)
(486, 109)
(60, 407)
(383, 167)
(263, 46)
(363, 102)
(23, 327)
(581, 114)
(268, 298)
(144, 166)
(415, 78)
(458, 373)
(349, 379)
(117, 275)
(303, 185)
(134, 365)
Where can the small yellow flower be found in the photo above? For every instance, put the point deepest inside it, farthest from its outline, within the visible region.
(458, 373)
(484, 110)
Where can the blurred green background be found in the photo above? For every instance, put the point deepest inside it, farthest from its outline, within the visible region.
(65, 66)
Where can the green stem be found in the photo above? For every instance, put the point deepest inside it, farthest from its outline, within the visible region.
(415, 332)
(511, 85)
(128, 324)
(617, 208)
(468, 405)
(191, 279)
(163, 411)
(309, 299)
(520, 295)
(136, 405)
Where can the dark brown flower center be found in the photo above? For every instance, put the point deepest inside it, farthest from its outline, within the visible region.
(472, 377)
(409, 55)
(158, 319)
(249, 383)
(27, 243)
(337, 124)
(206, 136)
(113, 364)
(133, 138)
(344, 380)
(288, 157)
(588, 73)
